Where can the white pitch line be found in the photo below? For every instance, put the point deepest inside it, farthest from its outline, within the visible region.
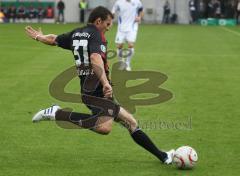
(231, 31)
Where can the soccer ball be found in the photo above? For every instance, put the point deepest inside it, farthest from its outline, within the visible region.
(185, 157)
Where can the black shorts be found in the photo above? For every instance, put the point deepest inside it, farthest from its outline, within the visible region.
(93, 98)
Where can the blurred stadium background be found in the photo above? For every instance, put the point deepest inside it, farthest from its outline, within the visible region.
(154, 9)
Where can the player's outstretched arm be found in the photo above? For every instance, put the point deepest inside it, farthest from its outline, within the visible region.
(39, 36)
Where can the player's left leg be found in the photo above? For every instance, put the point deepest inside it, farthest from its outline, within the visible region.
(46, 114)
(120, 52)
(141, 138)
(98, 124)
(129, 56)
(103, 111)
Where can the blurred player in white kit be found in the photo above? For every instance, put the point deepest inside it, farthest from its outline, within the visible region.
(130, 13)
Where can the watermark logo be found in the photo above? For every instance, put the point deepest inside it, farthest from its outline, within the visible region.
(159, 124)
(123, 93)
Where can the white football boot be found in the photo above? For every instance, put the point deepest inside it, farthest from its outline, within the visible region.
(170, 155)
(46, 114)
(128, 68)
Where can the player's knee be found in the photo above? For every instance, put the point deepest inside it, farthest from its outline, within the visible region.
(134, 124)
(131, 123)
(104, 130)
(120, 46)
(130, 45)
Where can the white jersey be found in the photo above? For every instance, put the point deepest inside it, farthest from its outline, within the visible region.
(127, 12)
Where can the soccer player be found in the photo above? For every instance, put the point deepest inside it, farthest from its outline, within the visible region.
(83, 7)
(166, 12)
(60, 7)
(88, 45)
(130, 13)
(193, 11)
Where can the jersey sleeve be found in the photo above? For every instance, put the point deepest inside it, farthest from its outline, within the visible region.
(96, 45)
(64, 40)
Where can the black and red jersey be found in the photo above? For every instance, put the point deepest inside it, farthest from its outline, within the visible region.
(83, 42)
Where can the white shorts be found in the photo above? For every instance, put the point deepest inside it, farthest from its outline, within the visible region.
(129, 36)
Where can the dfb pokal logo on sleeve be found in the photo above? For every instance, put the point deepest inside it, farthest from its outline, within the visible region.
(103, 48)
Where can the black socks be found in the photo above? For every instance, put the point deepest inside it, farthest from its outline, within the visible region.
(143, 140)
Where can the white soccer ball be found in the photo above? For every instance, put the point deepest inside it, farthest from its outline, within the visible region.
(185, 157)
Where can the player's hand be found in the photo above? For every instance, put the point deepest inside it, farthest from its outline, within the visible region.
(107, 90)
(34, 34)
(138, 19)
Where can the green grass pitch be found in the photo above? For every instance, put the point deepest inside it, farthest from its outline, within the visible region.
(202, 65)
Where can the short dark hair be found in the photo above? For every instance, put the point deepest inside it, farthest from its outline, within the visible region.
(99, 12)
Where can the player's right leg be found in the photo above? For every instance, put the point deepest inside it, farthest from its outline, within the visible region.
(103, 125)
(130, 55)
(142, 139)
(119, 40)
(131, 39)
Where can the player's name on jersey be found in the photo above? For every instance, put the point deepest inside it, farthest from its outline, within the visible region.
(83, 34)
(85, 72)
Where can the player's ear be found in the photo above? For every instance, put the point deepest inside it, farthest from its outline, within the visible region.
(98, 21)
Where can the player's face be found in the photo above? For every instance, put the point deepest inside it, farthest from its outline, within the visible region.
(106, 24)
